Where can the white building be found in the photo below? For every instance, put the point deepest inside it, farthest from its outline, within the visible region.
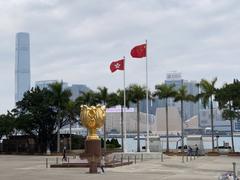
(174, 121)
(22, 65)
(113, 121)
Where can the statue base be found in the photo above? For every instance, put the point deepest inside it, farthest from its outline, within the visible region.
(93, 151)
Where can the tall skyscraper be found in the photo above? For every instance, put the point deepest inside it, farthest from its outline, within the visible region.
(22, 65)
(190, 108)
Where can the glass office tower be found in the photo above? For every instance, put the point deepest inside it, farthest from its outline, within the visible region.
(22, 65)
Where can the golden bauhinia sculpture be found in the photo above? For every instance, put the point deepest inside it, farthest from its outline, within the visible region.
(92, 118)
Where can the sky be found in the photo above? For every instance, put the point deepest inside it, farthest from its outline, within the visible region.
(75, 41)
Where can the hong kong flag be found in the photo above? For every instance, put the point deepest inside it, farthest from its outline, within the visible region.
(117, 65)
(139, 51)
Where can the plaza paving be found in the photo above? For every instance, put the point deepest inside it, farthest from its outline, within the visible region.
(34, 168)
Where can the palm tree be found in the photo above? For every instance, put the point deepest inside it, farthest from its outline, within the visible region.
(136, 94)
(118, 99)
(182, 95)
(60, 98)
(102, 95)
(208, 91)
(165, 91)
(87, 98)
(72, 112)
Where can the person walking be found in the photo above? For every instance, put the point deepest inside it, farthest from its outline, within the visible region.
(102, 163)
(189, 151)
(64, 154)
(196, 150)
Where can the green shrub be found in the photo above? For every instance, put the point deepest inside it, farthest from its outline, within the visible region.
(78, 142)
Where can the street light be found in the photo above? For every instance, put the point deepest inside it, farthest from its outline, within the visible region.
(217, 136)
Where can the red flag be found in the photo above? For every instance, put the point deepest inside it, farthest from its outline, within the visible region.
(139, 51)
(117, 65)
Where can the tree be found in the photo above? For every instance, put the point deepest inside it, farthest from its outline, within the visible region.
(7, 124)
(207, 93)
(137, 93)
(182, 95)
(72, 114)
(87, 98)
(60, 98)
(35, 117)
(118, 99)
(102, 96)
(228, 98)
(165, 91)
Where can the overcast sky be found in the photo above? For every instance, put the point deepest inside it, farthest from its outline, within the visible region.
(75, 40)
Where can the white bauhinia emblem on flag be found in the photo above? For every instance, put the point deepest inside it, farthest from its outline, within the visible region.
(117, 66)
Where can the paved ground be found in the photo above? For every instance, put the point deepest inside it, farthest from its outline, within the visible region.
(34, 168)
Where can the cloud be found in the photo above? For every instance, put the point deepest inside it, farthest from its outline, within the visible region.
(76, 40)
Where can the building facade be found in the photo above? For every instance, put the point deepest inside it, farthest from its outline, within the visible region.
(76, 89)
(46, 83)
(22, 65)
(190, 109)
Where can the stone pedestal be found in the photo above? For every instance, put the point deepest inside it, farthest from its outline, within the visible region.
(93, 151)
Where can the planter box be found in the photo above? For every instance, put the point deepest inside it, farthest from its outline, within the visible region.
(212, 153)
(224, 151)
(233, 154)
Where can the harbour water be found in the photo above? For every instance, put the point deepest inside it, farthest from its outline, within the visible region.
(207, 143)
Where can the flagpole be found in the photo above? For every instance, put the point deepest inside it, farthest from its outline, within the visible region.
(148, 150)
(124, 109)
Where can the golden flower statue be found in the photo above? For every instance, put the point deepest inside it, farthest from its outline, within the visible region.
(92, 117)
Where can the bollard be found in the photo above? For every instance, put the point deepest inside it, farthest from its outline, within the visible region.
(183, 158)
(56, 160)
(68, 162)
(141, 157)
(162, 157)
(46, 162)
(190, 157)
(135, 160)
(194, 157)
(187, 158)
(128, 160)
(113, 158)
(234, 171)
(121, 161)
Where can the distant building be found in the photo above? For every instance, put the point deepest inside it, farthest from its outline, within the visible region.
(190, 109)
(174, 121)
(22, 65)
(113, 121)
(46, 83)
(237, 125)
(76, 89)
(219, 124)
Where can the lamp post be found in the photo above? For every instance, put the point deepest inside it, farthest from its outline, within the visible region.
(217, 142)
